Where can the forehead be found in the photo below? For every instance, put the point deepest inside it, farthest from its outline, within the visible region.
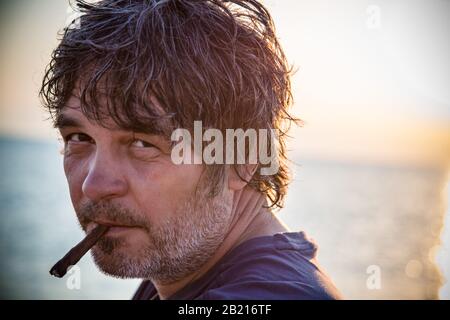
(72, 115)
(125, 118)
(74, 118)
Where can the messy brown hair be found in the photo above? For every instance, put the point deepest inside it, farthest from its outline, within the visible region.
(211, 60)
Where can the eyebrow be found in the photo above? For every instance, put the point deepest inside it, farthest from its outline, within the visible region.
(66, 121)
(63, 121)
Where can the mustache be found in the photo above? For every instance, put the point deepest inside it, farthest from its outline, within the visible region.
(115, 213)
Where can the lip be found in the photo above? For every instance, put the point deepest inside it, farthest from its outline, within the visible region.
(117, 230)
(114, 228)
(113, 224)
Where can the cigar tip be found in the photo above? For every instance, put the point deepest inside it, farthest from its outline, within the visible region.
(54, 272)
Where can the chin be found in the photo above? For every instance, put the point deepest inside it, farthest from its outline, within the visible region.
(118, 264)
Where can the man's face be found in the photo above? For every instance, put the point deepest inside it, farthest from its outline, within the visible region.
(163, 226)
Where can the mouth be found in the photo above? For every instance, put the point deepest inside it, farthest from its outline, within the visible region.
(115, 229)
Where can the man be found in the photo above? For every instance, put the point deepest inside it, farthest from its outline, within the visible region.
(124, 78)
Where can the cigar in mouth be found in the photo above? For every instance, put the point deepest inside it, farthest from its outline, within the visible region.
(77, 252)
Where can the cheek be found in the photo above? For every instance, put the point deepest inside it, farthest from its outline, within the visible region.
(163, 189)
(75, 174)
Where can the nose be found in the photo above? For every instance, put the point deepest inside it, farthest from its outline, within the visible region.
(105, 179)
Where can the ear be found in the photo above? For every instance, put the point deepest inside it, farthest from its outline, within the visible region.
(239, 175)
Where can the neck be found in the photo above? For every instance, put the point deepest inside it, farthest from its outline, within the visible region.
(249, 220)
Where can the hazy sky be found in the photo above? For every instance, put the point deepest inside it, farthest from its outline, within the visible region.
(372, 83)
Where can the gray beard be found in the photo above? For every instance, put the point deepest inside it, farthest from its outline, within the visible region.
(177, 248)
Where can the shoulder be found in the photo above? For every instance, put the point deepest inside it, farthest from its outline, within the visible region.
(278, 267)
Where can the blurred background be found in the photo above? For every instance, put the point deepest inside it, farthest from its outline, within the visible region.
(370, 165)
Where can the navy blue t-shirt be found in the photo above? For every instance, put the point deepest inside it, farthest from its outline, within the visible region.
(282, 266)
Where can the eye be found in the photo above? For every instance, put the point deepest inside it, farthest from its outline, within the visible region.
(78, 137)
(138, 143)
